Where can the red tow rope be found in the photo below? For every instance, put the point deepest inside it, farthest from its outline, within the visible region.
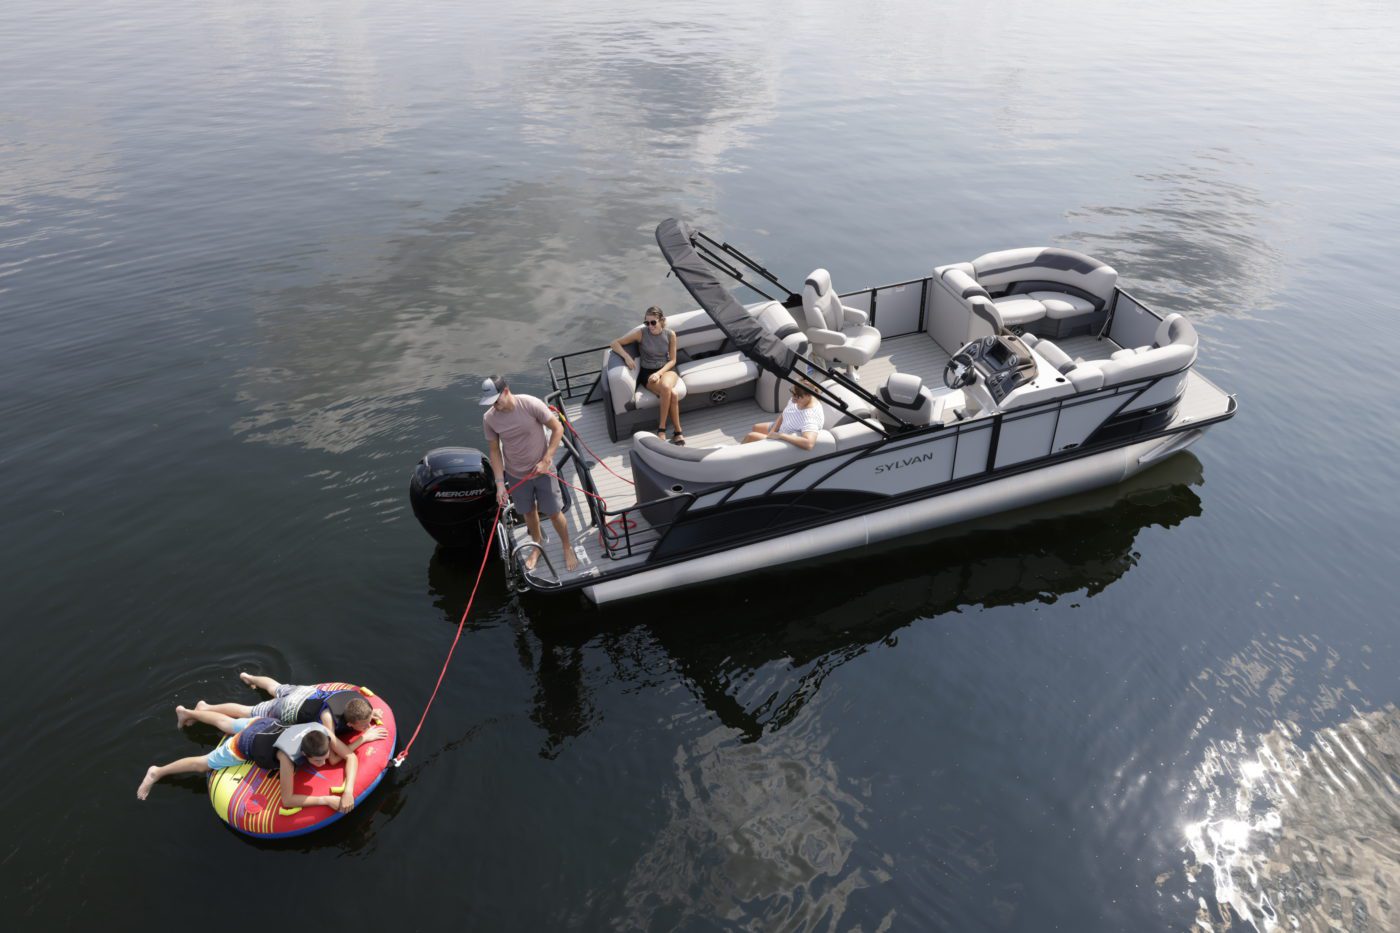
(480, 572)
(398, 759)
(597, 459)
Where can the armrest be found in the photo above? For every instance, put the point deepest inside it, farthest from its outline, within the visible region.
(854, 316)
(825, 338)
(622, 382)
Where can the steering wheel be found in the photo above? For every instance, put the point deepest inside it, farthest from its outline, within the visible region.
(959, 371)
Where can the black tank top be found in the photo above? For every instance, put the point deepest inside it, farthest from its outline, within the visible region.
(257, 742)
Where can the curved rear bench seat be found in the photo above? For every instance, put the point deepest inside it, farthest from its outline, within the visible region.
(1173, 350)
(661, 469)
(1043, 290)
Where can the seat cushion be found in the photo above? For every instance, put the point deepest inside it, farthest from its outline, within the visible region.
(1175, 329)
(857, 405)
(727, 463)
(701, 376)
(1019, 310)
(1059, 305)
(718, 372)
(645, 398)
(962, 283)
(1055, 356)
(863, 338)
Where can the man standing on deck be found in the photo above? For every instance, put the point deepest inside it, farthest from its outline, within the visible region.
(514, 428)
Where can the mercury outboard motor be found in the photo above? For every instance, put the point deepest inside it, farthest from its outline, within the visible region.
(453, 492)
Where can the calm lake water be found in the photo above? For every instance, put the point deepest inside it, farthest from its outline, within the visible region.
(255, 259)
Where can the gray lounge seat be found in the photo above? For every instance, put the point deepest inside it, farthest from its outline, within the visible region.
(1044, 290)
(1173, 349)
(710, 379)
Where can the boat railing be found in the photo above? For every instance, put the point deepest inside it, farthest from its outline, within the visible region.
(897, 309)
(583, 468)
(964, 469)
(624, 536)
(570, 375)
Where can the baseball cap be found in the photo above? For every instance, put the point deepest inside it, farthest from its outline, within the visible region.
(491, 389)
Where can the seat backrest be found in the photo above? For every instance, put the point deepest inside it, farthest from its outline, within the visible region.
(1053, 355)
(1173, 348)
(832, 416)
(820, 303)
(1175, 329)
(908, 398)
(774, 318)
(1048, 265)
(1157, 361)
(707, 465)
(961, 309)
(771, 391)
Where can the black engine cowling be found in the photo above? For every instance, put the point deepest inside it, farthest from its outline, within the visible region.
(453, 492)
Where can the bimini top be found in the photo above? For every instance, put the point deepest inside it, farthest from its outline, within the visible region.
(677, 244)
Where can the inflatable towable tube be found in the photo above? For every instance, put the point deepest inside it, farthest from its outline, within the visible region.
(249, 798)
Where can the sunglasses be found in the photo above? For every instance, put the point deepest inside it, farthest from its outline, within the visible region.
(651, 322)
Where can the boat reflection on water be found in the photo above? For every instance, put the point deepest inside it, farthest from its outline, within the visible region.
(716, 636)
(1078, 545)
(757, 818)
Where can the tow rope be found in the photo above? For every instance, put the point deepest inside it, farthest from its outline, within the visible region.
(596, 459)
(480, 572)
(486, 554)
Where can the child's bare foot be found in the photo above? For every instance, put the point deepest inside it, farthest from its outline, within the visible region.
(570, 559)
(183, 717)
(148, 783)
(533, 559)
(246, 678)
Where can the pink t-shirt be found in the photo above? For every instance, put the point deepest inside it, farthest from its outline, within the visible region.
(520, 432)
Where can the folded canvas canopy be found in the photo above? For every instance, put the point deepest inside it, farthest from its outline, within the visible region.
(677, 243)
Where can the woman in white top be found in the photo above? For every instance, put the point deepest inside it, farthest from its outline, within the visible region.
(798, 424)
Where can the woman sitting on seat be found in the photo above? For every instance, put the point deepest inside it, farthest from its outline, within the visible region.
(658, 367)
(798, 424)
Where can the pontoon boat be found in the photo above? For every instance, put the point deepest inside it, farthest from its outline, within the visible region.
(1021, 376)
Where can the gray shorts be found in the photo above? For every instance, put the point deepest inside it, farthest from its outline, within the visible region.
(284, 705)
(540, 492)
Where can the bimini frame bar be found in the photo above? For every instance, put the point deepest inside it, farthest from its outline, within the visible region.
(837, 402)
(705, 246)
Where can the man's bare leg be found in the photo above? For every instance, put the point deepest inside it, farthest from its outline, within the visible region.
(265, 684)
(196, 765)
(532, 524)
(561, 525)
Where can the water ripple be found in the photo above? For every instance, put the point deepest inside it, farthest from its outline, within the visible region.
(1299, 832)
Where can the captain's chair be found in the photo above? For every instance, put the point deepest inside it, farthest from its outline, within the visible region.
(839, 335)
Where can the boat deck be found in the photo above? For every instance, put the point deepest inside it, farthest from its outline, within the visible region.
(727, 424)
